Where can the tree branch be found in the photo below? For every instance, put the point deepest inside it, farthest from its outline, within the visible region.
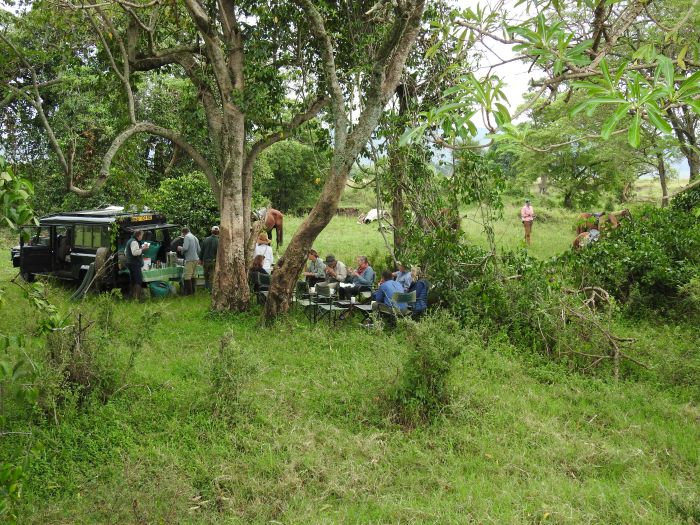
(147, 127)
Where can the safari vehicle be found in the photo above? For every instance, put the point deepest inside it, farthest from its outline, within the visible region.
(88, 245)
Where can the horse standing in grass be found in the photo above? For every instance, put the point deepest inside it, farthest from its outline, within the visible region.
(272, 220)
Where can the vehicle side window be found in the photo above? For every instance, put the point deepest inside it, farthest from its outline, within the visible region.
(91, 236)
(160, 235)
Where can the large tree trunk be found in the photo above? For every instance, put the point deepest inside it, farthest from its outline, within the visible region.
(661, 166)
(290, 265)
(231, 291)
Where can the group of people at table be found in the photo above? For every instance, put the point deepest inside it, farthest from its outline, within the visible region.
(351, 282)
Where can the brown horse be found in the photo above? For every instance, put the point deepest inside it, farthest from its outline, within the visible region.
(274, 220)
(588, 221)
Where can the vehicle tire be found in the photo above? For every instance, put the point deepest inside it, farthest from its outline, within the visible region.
(102, 273)
(27, 277)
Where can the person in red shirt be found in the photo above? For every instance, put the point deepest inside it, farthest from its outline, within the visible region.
(527, 215)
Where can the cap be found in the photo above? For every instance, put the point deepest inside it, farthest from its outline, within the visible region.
(215, 228)
(330, 259)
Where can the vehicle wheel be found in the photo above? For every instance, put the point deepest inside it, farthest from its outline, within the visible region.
(101, 272)
(27, 277)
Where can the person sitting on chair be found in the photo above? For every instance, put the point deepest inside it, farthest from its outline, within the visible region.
(336, 271)
(362, 278)
(383, 295)
(315, 270)
(257, 267)
(403, 276)
(421, 286)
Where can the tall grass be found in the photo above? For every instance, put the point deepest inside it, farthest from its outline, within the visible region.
(304, 434)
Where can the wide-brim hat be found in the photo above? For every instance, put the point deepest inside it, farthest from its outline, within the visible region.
(330, 259)
(262, 238)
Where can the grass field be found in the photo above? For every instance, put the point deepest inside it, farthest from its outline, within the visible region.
(300, 432)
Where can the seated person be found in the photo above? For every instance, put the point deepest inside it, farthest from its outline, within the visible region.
(315, 269)
(336, 271)
(257, 267)
(383, 295)
(362, 278)
(404, 277)
(421, 286)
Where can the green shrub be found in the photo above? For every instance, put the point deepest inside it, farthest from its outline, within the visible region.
(646, 261)
(421, 390)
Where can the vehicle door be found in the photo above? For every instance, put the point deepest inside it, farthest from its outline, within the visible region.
(37, 254)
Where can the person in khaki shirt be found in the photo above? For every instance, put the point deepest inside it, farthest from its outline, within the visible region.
(336, 271)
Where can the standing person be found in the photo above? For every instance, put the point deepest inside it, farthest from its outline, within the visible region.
(336, 271)
(210, 246)
(262, 247)
(362, 278)
(134, 262)
(527, 215)
(190, 252)
(404, 277)
(315, 269)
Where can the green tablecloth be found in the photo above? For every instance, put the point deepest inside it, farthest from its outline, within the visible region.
(171, 273)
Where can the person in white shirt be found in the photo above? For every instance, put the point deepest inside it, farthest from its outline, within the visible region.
(263, 248)
(190, 251)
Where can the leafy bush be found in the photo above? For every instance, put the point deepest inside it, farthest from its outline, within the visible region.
(187, 200)
(687, 201)
(647, 261)
(421, 391)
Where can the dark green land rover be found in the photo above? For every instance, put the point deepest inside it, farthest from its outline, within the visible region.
(89, 245)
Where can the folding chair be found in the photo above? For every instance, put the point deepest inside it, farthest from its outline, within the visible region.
(302, 298)
(262, 281)
(324, 303)
(391, 314)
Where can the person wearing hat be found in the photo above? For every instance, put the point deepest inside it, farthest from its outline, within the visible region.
(210, 246)
(336, 271)
(527, 215)
(315, 269)
(262, 247)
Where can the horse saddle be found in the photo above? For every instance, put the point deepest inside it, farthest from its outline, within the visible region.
(260, 214)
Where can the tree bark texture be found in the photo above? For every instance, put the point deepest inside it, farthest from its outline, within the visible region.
(661, 167)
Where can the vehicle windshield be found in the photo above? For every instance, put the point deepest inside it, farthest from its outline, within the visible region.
(35, 235)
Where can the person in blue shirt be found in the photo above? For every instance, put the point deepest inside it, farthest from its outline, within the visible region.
(421, 286)
(387, 288)
(362, 278)
(403, 277)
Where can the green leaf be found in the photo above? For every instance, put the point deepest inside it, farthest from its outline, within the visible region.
(610, 124)
(633, 136)
(657, 120)
(681, 57)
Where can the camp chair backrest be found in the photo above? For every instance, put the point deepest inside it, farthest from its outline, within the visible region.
(409, 298)
(302, 288)
(323, 290)
(263, 279)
